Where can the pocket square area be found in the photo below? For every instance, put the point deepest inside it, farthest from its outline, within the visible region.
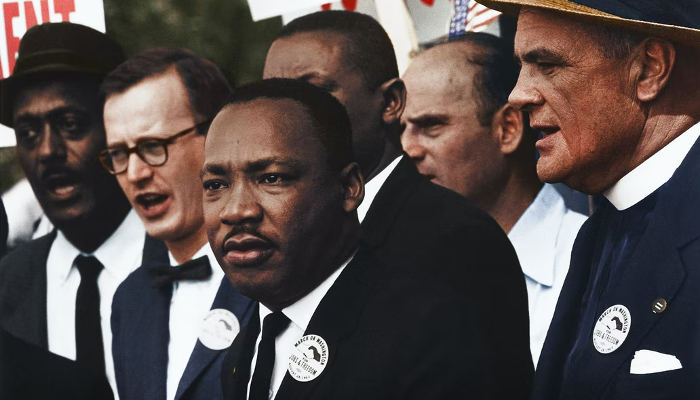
(650, 362)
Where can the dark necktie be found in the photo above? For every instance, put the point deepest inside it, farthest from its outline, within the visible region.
(193, 270)
(273, 325)
(88, 331)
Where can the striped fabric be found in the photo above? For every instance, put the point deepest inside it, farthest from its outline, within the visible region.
(479, 17)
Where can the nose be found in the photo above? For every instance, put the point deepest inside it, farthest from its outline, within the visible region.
(241, 207)
(52, 146)
(137, 170)
(411, 143)
(525, 96)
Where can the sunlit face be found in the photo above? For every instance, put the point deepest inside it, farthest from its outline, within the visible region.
(321, 58)
(59, 133)
(272, 205)
(168, 198)
(443, 134)
(582, 102)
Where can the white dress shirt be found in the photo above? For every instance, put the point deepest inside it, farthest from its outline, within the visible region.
(653, 172)
(373, 186)
(120, 254)
(190, 303)
(543, 238)
(299, 314)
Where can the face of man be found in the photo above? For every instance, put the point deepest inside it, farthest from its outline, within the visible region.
(168, 198)
(272, 205)
(320, 58)
(581, 101)
(443, 134)
(59, 136)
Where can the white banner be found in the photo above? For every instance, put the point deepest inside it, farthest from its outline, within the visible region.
(261, 9)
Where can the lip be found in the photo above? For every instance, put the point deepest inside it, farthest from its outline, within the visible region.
(61, 185)
(247, 250)
(548, 134)
(152, 205)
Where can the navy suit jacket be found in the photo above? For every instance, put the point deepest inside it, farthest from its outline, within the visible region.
(140, 329)
(665, 264)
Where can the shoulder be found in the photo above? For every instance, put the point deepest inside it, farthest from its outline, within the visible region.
(22, 259)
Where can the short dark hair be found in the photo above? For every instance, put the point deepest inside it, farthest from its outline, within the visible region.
(327, 113)
(614, 42)
(497, 75)
(206, 85)
(369, 48)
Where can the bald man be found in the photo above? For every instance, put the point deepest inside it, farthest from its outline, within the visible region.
(462, 134)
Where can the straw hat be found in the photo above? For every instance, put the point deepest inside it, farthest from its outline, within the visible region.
(675, 20)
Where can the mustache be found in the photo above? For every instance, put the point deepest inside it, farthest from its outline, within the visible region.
(62, 171)
(246, 229)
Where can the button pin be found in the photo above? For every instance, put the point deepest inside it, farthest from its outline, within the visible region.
(659, 306)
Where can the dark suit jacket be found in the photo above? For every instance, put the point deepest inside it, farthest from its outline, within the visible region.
(414, 224)
(140, 329)
(665, 264)
(28, 372)
(4, 230)
(389, 336)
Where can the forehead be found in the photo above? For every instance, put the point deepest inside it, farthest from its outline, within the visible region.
(440, 78)
(552, 31)
(158, 106)
(263, 129)
(322, 52)
(43, 97)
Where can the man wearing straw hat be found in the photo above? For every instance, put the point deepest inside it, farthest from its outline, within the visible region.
(613, 87)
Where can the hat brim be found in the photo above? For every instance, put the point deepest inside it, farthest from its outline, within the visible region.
(670, 32)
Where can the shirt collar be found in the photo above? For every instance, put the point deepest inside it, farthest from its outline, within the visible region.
(217, 272)
(653, 172)
(118, 254)
(372, 188)
(302, 310)
(534, 236)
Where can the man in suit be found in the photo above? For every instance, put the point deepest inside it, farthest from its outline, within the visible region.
(173, 317)
(461, 133)
(281, 194)
(56, 292)
(613, 87)
(408, 222)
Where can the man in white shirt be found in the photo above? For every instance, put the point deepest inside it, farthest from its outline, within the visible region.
(408, 222)
(172, 317)
(281, 194)
(462, 134)
(56, 292)
(613, 87)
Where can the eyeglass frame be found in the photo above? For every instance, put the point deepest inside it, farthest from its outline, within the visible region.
(165, 142)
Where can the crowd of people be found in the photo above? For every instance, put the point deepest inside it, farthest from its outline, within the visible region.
(338, 231)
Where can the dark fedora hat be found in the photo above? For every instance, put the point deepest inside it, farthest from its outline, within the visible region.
(61, 47)
(675, 20)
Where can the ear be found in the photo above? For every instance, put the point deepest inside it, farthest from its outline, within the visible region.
(394, 100)
(657, 61)
(508, 129)
(353, 187)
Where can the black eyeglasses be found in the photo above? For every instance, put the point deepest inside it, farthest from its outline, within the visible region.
(153, 152)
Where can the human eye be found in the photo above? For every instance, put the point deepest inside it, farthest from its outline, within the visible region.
(272, 179)
(72, 124)
(213, 185)
(26, 133)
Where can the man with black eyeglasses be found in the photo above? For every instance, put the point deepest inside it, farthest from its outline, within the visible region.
(174, 316)
(56, 292)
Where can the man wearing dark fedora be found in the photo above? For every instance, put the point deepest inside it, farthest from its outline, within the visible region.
(56, 291)
(613, 87)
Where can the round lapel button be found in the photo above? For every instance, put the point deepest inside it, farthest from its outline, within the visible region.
(659, 306)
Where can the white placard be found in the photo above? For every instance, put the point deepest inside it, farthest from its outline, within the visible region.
(261, 9)
(18, 16)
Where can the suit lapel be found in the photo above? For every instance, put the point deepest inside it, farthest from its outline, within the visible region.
(334, 319)
(241, 354)
(386, 205)
(227, 298)
(29, 318)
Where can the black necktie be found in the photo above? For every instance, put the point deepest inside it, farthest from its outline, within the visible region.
(88, 331)
(193, 270)
(273, 325)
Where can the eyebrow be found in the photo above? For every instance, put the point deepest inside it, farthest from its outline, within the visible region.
(326, 83)
(428, 119)
(251, 167)
(540, 54)
(213, 169)
(52, 113)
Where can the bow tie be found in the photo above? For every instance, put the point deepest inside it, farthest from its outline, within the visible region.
(193, 270)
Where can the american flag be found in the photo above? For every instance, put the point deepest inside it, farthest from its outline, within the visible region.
(470, 16)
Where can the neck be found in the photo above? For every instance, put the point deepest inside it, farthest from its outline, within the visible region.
(183, 249)
(390, 153)
(87, 234)
(519, 191)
